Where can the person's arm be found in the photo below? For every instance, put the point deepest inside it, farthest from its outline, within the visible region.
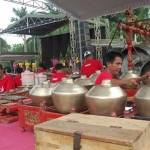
(126, 83)
(144, 77)
(130, 82)
(123, 82)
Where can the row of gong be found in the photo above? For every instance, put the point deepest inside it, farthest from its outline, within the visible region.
(104, 99)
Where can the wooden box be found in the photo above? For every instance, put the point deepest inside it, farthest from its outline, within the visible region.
(97, 133)
(31, 115)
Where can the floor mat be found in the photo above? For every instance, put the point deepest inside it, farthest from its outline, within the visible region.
(12, 138)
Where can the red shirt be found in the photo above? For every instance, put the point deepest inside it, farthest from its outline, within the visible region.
(17, 79)
(103, 76)
(90, 66)
(6, 83)
(57, 76)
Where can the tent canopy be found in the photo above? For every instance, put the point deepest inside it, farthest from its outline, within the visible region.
(37, 24)
(85, 9)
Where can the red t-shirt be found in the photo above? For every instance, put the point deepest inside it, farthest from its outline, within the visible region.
(103, 76)
(90, 66)
(57, 76)
(6, 83)
(17, 79)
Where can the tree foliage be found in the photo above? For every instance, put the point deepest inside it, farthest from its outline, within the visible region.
(33, 44)
(141, 14)
(4, 47)
(19, 13)
(18, 47)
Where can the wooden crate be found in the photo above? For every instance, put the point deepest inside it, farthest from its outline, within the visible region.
(97, 133)
(31, 115)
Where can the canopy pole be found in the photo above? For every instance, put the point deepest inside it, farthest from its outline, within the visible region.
(80, 45)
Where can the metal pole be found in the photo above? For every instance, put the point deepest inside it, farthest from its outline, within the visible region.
(80, 44)
(34, 40)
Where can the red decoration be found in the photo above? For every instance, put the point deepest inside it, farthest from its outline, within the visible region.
(32, 115)
(130, 29)
(8, 108)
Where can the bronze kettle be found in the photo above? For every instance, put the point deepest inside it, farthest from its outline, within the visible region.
(142, 98)
(68, 97)
(84, 81)
(42, 94)
(131, 89)
(106, 99)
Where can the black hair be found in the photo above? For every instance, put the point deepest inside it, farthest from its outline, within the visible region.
(110, 57)
(42, 65)
(88, 55)
(7, 69)
(59, 66)
(19, 70)
(145, 68)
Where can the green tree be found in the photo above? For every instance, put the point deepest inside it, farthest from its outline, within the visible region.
(4, 47)
(20, 13)
(18, 48)
(30, 44)
(33, 44)
(141, 14)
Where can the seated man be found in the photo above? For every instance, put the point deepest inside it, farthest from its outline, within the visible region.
(112, 72)
(17, 77)
(58, 74)
(6, 81)
(90, 65)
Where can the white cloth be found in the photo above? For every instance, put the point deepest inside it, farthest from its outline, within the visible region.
(85, 9)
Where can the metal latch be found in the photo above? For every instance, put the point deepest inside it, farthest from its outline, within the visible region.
(77, 140)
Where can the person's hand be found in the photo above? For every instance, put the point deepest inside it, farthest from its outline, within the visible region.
(146, 78)
(132, 83)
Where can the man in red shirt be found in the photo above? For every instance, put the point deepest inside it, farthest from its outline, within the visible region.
(90, 65)
(114, 64)
(58, 74)
(17, 77)
(112, 72)
(6, 81)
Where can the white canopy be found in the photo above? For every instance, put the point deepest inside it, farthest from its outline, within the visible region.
(85, 9)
